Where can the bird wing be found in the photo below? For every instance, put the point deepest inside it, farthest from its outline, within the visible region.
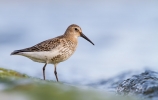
(43, 46)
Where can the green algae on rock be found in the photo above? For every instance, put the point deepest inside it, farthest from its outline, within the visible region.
(36, 89)
(11, 73)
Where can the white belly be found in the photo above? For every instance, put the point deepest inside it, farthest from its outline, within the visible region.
(53, 57)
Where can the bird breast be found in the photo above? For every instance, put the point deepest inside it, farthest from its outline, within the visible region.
(66, 49)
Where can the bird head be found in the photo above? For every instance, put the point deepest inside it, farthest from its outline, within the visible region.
(76, 31)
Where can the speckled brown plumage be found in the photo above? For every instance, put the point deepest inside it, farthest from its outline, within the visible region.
(43, 46)
(54, 50)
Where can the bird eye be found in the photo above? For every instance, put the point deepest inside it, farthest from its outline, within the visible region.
(76, 29)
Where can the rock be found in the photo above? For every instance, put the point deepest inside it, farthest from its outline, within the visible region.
(132, 83)
(16, 86)
(111, 84)
(144, 85)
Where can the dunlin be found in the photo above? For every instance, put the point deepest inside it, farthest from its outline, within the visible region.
(55, 50)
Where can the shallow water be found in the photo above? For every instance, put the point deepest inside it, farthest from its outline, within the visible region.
(125, 34)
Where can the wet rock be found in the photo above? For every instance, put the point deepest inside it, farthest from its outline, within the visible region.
(15, 86)
(111, 84)
(132, 83)
(144, 85)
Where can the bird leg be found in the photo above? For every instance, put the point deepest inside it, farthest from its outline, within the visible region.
(44, 71)
(55, 72)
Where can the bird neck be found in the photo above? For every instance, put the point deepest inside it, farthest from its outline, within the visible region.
(72, 38)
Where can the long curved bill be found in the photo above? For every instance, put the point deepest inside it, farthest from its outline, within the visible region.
(82, 35)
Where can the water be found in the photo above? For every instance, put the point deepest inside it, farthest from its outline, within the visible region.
(125, 34)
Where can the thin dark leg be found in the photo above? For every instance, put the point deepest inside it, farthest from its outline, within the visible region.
(44, 71)
(55, 72)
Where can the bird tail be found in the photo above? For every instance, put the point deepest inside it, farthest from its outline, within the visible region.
(15, 52)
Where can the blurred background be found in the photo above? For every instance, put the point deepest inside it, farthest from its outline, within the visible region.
(125, 34)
